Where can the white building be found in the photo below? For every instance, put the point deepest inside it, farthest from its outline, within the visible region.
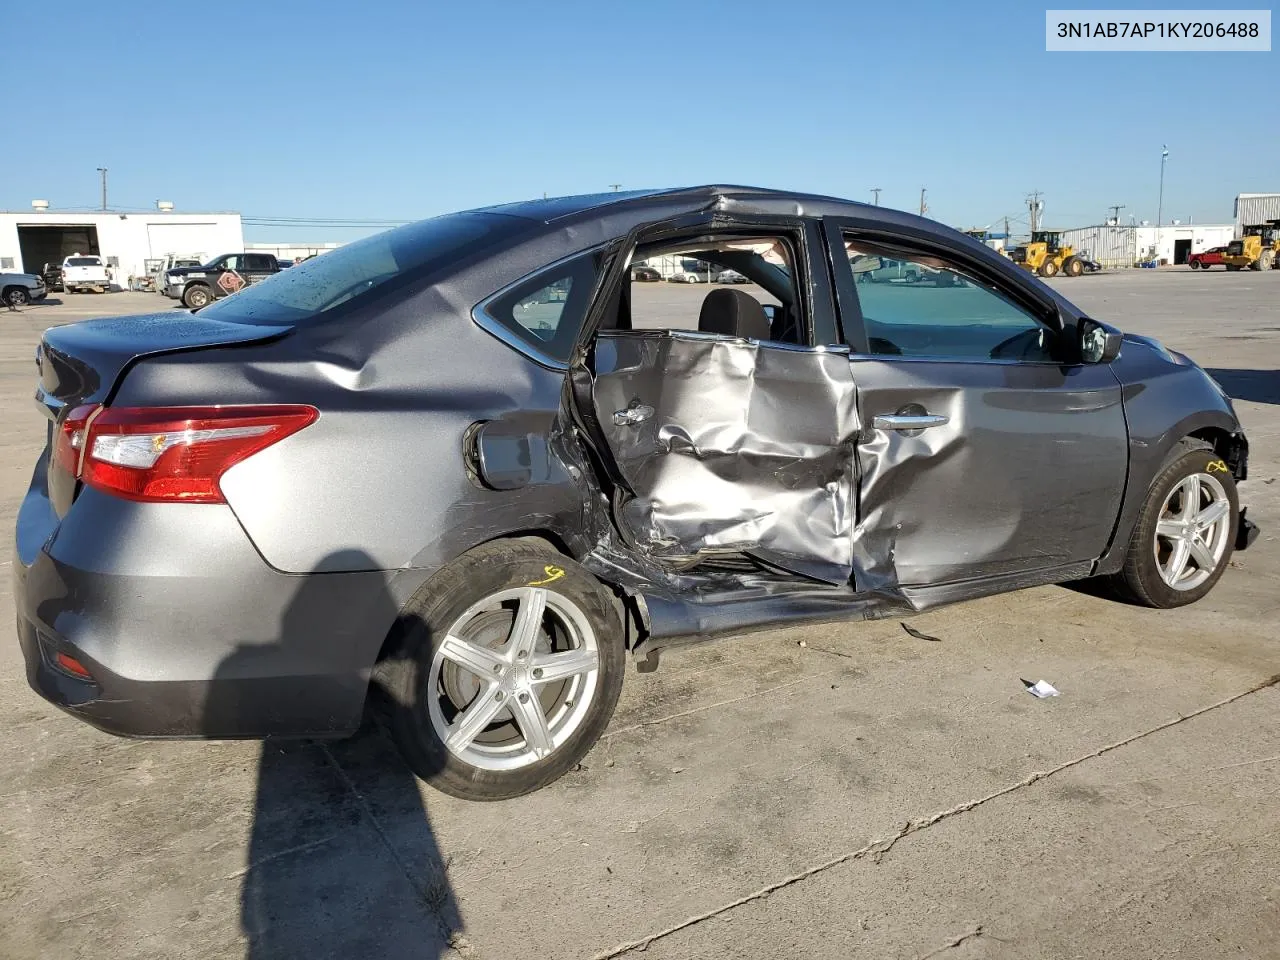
(125, 241)
(1125, 245)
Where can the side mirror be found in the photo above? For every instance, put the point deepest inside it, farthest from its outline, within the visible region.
(1098, 342)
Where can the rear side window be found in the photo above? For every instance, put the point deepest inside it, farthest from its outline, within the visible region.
(316, 286)
(542, 315)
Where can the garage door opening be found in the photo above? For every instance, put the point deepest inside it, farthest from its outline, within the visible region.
(1181, 248)
(52, 244)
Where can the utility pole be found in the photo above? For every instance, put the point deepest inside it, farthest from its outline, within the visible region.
(923, 206)
(616, 187)
(103, 171)
(1115, 209)
(1006, 229)
(876, 192)
(1164, 155)
(1035, 206)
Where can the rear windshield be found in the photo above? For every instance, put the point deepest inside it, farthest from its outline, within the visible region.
(322, 283)
(83, 262)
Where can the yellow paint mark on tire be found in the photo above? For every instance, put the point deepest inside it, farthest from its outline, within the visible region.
(1217, 466)
(553, 574)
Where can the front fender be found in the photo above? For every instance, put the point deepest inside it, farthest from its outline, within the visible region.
(1166, 398)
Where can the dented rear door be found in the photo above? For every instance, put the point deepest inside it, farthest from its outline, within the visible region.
(726, 446)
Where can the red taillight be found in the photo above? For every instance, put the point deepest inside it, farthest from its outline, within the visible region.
(159, 454)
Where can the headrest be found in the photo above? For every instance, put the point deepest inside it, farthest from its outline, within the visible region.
(733, 313)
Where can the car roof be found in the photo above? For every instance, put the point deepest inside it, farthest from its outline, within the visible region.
(552, 209)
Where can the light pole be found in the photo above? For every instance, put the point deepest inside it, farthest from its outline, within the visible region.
(1164, 156)
(876, 192)
(103, 171)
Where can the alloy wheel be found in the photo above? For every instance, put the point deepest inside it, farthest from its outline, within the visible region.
(513, 678)
(1192, 531)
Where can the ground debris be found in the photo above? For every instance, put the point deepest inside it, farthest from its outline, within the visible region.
(912, 631)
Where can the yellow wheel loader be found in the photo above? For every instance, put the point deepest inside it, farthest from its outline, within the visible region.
(1257, 251)
(1045, 256)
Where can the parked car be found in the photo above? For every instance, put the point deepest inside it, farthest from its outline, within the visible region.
(52, 275)
(440, 462)
(198, 286)
(687, 276)
(1209, 258)
(19, 289)
(645, 274)
(730, 276)
(82, 273)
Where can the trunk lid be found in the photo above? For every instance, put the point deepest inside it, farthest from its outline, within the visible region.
(81, 363)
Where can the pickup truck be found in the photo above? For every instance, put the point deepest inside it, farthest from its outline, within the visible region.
(199, 286)
(1210, 258)
(81, 272)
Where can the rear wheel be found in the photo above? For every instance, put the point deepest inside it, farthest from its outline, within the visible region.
(1267, 260)
(506, 671)
(195, 297)
(1184, 536)
(1049, 268)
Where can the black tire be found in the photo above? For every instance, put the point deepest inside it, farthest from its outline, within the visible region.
(1049, 268)
(1140, 580)
(405, 674)
(16, 296)
(196, 296)
(1195, 264)
(1072, 267)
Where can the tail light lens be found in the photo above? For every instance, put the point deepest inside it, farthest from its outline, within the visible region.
(163, 454)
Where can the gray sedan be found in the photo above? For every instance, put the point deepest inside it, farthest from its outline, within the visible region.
(456, 465)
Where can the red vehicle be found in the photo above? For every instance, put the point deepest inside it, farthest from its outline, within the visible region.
(1210, 258)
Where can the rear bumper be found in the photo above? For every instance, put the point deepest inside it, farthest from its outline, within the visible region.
(185, 631)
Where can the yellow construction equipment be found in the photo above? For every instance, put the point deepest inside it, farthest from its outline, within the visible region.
(1045, 256)
(1259, 249)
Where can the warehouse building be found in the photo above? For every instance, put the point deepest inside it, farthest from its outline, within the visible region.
(1255, 210)
(125, 241)
(1125, 245)
(291, 251)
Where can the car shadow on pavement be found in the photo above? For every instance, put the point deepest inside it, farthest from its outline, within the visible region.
(1260, 386)
(342, 860)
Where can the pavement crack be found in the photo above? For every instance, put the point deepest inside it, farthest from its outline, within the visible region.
(950, 944)
(878, 849)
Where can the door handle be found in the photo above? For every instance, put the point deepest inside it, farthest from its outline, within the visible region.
(637, 412)
(907, 421)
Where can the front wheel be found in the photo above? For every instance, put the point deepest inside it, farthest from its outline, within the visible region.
(1185, 533)
(16, 296)
(1195, 264)
(196, 297)
(1049, 268)
(506, 671)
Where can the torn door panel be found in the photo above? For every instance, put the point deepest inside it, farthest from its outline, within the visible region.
(731, 446)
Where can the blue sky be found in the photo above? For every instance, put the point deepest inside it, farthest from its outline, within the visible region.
(400, 110)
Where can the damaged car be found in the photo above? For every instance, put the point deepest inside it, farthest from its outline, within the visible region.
(471, 466)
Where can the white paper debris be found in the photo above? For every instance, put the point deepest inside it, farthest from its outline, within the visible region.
(1042, 689)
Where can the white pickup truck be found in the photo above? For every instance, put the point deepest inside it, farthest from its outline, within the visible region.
(80, 272)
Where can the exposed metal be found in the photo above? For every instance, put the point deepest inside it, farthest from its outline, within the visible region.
(1255, 209)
